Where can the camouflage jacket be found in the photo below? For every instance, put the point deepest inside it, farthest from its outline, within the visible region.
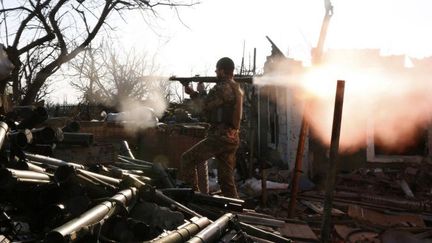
(221, 94)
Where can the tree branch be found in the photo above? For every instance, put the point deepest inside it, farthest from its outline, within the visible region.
(22, 28)
(36, 43)
(14, 9)
(107, 9)
(55, 27)
(171, 4)
(52, 25)
(24, 23)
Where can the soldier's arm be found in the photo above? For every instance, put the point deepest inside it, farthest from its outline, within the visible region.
(200, 93)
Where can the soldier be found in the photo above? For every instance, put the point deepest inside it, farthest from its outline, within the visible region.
(222, 107)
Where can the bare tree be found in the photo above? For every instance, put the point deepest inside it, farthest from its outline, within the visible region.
(103, 75)
(41, 35)
(177, 93)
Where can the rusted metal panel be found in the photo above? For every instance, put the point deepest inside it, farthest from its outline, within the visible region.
(97, 153)
(298, 232)
(166, 144)
(107, 131)
(163, 144)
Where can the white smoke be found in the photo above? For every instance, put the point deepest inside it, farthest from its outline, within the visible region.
(139, 115)
(396, 100)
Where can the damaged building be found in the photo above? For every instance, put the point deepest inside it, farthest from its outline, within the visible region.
(280, 116)
(379, 187)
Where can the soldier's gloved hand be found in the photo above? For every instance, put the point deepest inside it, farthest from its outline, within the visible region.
(189, 90)
(201, 87)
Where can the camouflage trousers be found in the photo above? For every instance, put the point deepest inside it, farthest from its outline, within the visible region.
(225, 154)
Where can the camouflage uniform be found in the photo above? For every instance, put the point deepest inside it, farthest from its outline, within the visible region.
(222, 140)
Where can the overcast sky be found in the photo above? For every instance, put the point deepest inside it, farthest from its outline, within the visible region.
(191, 42)
(219, 28)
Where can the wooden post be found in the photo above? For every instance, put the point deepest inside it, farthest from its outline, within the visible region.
(297, 171)
(332, 170)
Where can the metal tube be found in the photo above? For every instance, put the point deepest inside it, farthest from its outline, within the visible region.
(41, 164)
(254, 231)
(207, 79)
(26, 174)
(134, 181)
(180, 207)
(217, 198)
(126, 149)
(107, 179)
(228, 203)
(71, 229)
(35, 168)
(133, 167)
(125, 161)
(115, 172)
(22, 165)
(214, 231)
(68, 175)
(51, 161)
(3, 131)
(331, 172)
(260, 221)
(138, 161)
(185, 232)
(92, 178)
(10, 176)
(29, 180)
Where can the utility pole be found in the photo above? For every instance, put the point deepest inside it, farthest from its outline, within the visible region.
(316, 59)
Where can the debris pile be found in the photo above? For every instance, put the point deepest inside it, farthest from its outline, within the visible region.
(43, 198)
(390, 203)
(376, 205)
(47, 198)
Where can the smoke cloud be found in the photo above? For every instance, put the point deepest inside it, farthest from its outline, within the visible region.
(143, 114)
(381, 95)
